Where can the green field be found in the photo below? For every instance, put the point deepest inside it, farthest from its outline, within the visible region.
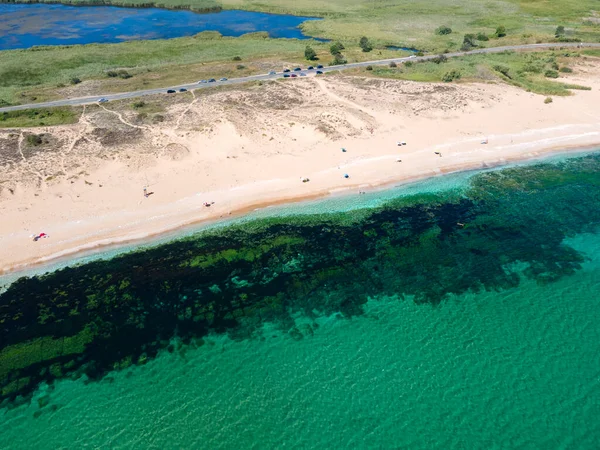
(47, 73)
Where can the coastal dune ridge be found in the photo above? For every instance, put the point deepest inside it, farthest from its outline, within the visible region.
(247, 148)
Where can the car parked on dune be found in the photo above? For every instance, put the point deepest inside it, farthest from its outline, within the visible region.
(319, 72)
(297, 69)
(223, 79)
(272, 72)
(212, 80)
(182, 90)
(202, 81)
(294, 75)
(102, 100)
(286, 70)
(170, 91)
(310, 68)
(319, 66)
(286, 75)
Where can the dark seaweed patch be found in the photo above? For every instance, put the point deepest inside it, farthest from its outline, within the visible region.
(108, 315)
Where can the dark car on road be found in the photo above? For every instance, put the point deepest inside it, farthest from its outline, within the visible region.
(310, 68)
(319, 72)
(294, 75)
(297, 69)
(272, 72)
(286, 70)
(286, 75)
(212, 80)
(319, 66)
(183, 90)
(171, 91)
(223, 79)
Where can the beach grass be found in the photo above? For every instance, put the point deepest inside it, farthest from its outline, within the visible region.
(524, 70)
(38, 117)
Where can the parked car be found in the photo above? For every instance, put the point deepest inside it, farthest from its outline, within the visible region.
(212, 80)
(319, 72)
(223, 79)
(294, 75)
(182, 90)
(202, 81)
(171, 91)
(286, 70)
(310, 68)
(297, 69)
(302, 74)
(102, 100)
(319, 66)
(412, 56)
(286, 75)
(272, 72)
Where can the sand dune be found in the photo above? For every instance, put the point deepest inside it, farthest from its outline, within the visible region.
(241, 148)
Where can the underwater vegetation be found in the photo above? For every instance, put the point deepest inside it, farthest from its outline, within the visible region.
(109, 314)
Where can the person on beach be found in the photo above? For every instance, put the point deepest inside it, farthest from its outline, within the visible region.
(40, 236)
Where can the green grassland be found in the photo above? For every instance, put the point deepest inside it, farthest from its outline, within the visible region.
(525, 70)
(46, 73)
(39, 117)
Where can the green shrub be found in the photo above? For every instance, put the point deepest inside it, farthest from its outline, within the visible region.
(236, 58)
(138, 104)
(393, 64)
(500, 31)
(440, 59)
(408, 63)
(482, 37)
(442, 30)
(336, 48)
(548, 100)
(369, 68)
(240, 67)
(34, 139)
(75, 80)
(551, 73)
(365, 44)
(451, 76)
(309, 53)
(560, 31)
(566, 70)
(503, 70)
(112, 74)
(338, 59)
(419, 54)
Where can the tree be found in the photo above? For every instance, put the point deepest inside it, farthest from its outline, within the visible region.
(440, 59)
(75, 80)
(309, 53)
(482, 37)
(560, 31)
(335, 48)
(365, 44)
(500, 31)
(442, 30)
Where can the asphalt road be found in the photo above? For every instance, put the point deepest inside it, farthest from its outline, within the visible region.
(195, 85)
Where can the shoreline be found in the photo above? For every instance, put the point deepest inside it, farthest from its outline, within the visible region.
(95, 250)
(252, 156)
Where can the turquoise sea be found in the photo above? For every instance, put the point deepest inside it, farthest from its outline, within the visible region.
(458, 312)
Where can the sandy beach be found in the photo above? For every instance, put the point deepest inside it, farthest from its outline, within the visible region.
(245, 148)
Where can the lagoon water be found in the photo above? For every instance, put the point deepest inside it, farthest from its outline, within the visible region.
(24, 26)
(381, 327)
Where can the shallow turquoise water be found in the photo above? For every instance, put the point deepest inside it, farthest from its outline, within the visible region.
(461, 316)
(517, 369)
